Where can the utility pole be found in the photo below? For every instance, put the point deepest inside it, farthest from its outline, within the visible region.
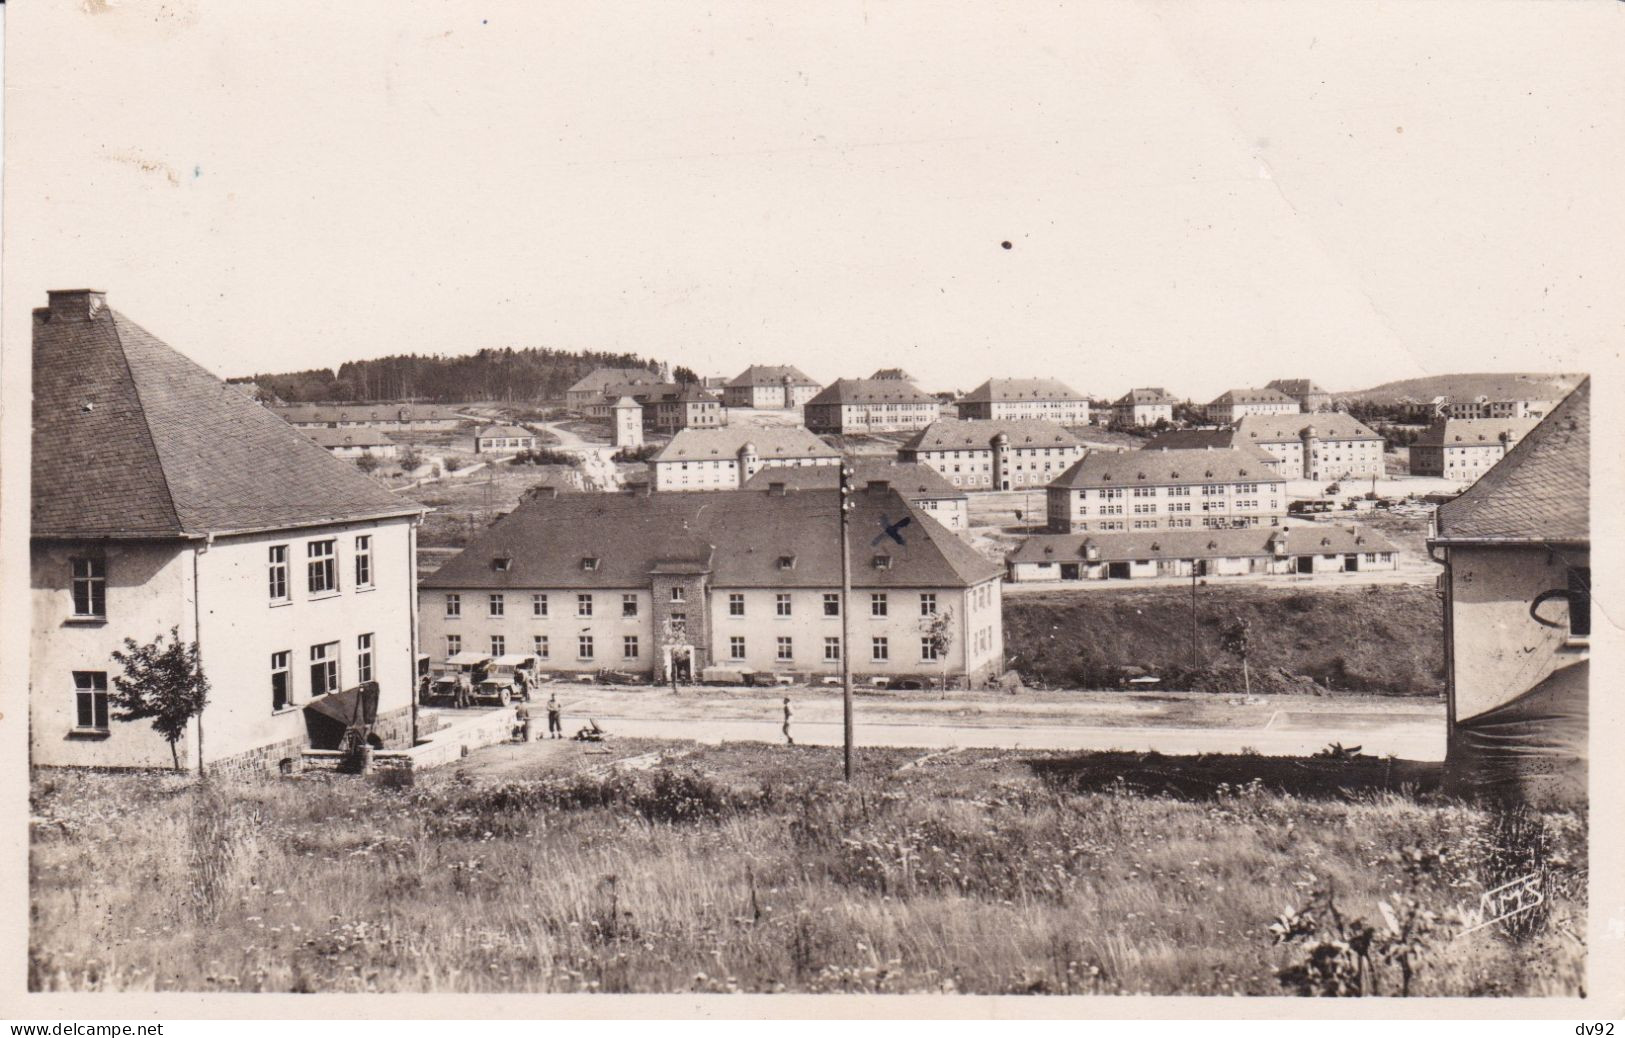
(1193, 614)
(846, 616)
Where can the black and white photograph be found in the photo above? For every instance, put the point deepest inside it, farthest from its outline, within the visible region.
(783, 506)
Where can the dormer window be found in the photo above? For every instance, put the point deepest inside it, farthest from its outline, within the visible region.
(502, 563)
(882, 562)
(787, 562)
(589, 563)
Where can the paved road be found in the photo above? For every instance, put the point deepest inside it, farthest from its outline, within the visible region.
(598, 472)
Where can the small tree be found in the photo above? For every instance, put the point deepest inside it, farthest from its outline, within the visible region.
(1238, 642)
(452, 463)
(410, 459)
(163, 680)
(367, 463)
(939, 634)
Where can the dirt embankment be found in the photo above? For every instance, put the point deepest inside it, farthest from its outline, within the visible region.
(1385, 640)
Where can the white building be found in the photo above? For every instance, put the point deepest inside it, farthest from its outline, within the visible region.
(1143, 407)
(1166, 490)
(352, 443)
(919, 484)
(1463, 449)
(163, 498)
(779, 387)
(503, 439)
(1002, 455)
(1025, 399)
(861, 405)
(1254, 551)
(1232, 404)
(723, 459)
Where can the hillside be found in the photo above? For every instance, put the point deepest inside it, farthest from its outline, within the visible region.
(496, 375)
(1384, 640)
(1466, 386)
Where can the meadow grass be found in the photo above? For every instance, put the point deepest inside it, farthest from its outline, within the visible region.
(750, 868)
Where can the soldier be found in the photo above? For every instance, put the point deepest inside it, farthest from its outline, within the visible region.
(787, 739)
(555, 726)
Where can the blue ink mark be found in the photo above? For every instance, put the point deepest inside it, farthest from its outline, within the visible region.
(889, 529)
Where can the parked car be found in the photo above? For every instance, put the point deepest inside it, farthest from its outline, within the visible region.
(499, 682)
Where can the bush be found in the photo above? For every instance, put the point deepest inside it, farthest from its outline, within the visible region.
(367, 463)
(631, 455)
(543, 456)
(452, 463)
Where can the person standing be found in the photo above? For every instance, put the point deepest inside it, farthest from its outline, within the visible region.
(788, 741)
(555, 725)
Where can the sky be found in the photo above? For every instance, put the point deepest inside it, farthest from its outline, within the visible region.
(1198, 196)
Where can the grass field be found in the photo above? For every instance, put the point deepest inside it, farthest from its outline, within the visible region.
(748, 869)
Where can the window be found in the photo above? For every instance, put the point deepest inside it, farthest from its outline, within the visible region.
(363, 657)
(324, 668)
(584, 605)
(454, 605)
(322, 568)
(678, 593)
(736, 647)
(629, 646)
(90, 699)
(832, 648)
(538, 605)
(276, 569)
(281, 680)
(363, 561)
(496, 604)
(786, 648)
(736, 604)
(584, 646)
(629, 605)
(877, 604)
(879, 649)
(781, 604)
(89, 588)
(1580, 601)
(538, 645)
(928, 648)
(499, 644)
(454, 644)
(832, 604)
(678, 622)
(928, 604)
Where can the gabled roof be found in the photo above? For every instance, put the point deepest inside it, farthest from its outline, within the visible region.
(1143, 397)
(1314, 539)
(738, 536)
(597, 379)
(663, 393)
(1165, 467)
(968, 434)
(771, 375)
(1540, 492)
(1232, 397)
(1475, 432)
(1193, 439)
(1010, 390)
(912, 479)
(872, 391)
(346, 437)
(504, 431)
(770, 442)
(133, 440)
(1297, 387)
(1289, 428)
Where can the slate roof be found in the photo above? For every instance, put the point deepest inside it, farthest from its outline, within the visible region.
(598, 379)
(872, 391)
(771, 375)
(361, 412)
(1165, 467)
(1148, 395)
(969, 434)
(664, 392)
(1010, 390)
(1251, 396)
(1539, 492)
(1316, 539)
(1288, 428)
(737, 535)
(1475, 432)
(1193, 439)
(133, 440)
(911, 478)
(770, 442)
(346, 437)
(507, 432)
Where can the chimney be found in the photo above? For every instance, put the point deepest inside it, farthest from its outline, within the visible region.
(776, 489)
(73, 304)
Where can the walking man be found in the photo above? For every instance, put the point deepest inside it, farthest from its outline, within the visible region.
(555, 726)
(787, 739)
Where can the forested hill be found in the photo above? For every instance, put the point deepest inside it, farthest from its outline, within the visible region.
(506, 374)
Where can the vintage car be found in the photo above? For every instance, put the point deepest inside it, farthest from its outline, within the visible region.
(464, 668)
(506, 678)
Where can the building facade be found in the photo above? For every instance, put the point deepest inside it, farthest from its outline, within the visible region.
(724, 459)
(778, 387)
(1255, 551)
(1310, 397)
(353, 443)
(1463, 449)
(744, 580)
(1232, 404)
(1141, 407)
(1025, 399)
(1484, 407)
(1165, 490)
(293, 573)
(503, 439)
(402, 417)
(588, 392)
(919, 484)
(858, 405)
(1324, 446)
(989, 455)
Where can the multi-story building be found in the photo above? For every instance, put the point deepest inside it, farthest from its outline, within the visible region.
(1235, 403)
(1310, 397)
(1143, 407)
(748, 580)
(417, 417)
(919, 484)
(503, 439)
(862, 405)
(589, 391)
(723, 459)
(1463, 449)
(1321, 447)
(1254, 551)
(1025, 399)
(1517, 616)
(1165, 490)
(164, 499)
(773, 386)
(1484, 407)
(994, 455)
(352, 443)
(672, 407)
